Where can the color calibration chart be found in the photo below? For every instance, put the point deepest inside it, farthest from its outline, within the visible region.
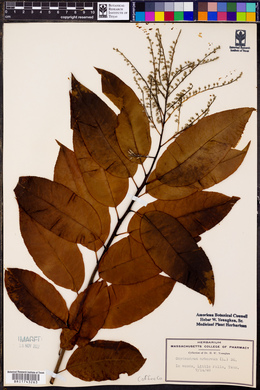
(165, 11)
(148, 11)
(230, 12)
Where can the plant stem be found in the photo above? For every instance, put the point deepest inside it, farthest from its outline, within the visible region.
(56, 369)
(162, 113)
(114, 234)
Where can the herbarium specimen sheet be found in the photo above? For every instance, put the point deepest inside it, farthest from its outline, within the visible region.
(129, 204)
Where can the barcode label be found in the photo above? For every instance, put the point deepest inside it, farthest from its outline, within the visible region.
(27, 377)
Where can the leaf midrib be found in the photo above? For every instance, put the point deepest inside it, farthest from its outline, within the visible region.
(56, 208)
(184, 261)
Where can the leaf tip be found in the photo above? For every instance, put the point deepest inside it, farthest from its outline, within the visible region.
(59, 143)
(247, 147)
(74, 81)
(209, 289)
(21, 183)
(7, 272)
(234, 200)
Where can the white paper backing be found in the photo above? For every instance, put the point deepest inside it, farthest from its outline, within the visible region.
(38, 61)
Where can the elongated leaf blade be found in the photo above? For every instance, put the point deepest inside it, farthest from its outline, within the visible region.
(107, 189)
(162, 191)
(130, 303)
(224, 169)
(60, 260)
(181, 258)
(105, 360)
(59, 210)
(94, 310)
(200, 148)
(97, 123)
(127, 262)
(133, 132)
(87, 315)
(207, 209)
(68, 339)
(36, 298)
(67, 172)
(198, 212)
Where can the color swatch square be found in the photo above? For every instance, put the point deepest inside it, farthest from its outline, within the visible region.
(222, 16)
(202, 7)
(188, 16)
(212, 7)
(140, 7)
(149, 16)
(241, 16)
(222, 7)
(169, 7)
(212, 16)
(159, 7)
(188, 6)
(250, 17)
(241, 7)
(202, 16)
(231, 16)
(231, 7)
(250, 7)
(159, 16)
(178, 16)
(178, 7)
(140, 16)
(169, 16)
(149, 6)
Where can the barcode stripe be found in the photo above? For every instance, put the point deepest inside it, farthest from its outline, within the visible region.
(25, 377)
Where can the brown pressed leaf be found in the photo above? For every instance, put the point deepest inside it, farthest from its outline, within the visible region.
(94, 310)
(87, 315)
(68, 339)
(133, 132)
(162, 191)
(127, 262)
(180, 258)
(67, 172)
(200, 148)
(225, 168)
(60, 260)
(59, 210)
(197, 213)
(36, 298)
(206, 210)
(130, 303)
(105, 360)
(97, 123)
(107, 189)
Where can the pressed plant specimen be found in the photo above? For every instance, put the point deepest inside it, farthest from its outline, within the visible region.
(137, 265)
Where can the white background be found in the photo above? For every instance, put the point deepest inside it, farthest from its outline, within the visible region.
(38, 61)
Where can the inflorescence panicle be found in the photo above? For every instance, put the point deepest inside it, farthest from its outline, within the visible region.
(164, 90)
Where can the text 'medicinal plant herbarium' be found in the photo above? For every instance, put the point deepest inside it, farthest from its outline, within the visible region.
(138, 265)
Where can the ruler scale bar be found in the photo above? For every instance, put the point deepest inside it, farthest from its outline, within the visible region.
(47, 5)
